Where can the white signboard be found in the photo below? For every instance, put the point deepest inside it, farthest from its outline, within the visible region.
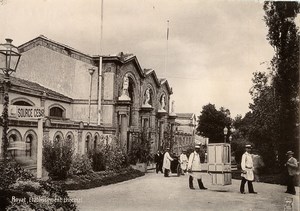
(27, 112)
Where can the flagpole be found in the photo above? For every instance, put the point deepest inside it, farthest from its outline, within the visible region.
(100, 69)
(167, 50)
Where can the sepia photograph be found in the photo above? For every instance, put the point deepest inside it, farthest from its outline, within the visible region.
(149, 105)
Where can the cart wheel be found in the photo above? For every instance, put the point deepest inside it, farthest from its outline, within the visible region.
(178, 170)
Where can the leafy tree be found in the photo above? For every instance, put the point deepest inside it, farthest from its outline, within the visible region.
(211, 123)
(283, 36)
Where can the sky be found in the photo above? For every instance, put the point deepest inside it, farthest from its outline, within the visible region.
(213, 47)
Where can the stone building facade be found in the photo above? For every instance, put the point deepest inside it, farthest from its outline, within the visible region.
(185, 132)
(87, 99)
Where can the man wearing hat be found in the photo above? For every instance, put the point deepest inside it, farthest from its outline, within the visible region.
(194, 168)
(247, 171)
(183, 161)
(158, 158)
(167, 162)
(292, 167)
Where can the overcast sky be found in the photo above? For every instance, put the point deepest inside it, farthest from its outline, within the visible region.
(213, 48)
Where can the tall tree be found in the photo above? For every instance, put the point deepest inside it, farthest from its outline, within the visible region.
(211, 123)
(283, 35)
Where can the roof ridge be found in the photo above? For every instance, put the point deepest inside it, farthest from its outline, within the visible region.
(37, 85)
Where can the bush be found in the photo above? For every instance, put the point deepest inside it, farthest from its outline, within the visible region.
(43, 196)
(10, 172)
(116, 158)
(20, 183)
(97, 179)
(81, 164)
(58, 158)
(98, 159)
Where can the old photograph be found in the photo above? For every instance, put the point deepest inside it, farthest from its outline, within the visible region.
(149, 105)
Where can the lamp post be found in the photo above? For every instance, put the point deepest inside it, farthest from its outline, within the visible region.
(225, 130)
(91, 72)
(9, 60)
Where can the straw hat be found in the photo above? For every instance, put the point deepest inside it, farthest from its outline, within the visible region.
(289, 153)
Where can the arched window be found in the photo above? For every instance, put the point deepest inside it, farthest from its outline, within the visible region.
(28, 150)
(95, 142)
(12, 138)
(69, 137)
(87, 143)
(22, 103)
(56, 112)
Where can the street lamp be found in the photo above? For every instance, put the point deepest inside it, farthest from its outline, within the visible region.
(9, 60)
(225, 130)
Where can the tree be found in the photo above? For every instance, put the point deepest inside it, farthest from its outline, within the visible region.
(283, 35)
(211, 123)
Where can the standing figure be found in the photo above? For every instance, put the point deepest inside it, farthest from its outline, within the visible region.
(194, 168)
(292, 167)
(147, 97)
(125, 85)
(163, 102)
(247, 171)
(183, 162)
(158, 158)
(167, 163)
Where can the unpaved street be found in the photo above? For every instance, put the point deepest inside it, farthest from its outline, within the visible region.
(155, 192)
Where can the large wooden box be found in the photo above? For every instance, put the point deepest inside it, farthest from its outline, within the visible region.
(219, 163)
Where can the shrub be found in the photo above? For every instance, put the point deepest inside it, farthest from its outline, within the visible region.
(20, 183)
(116, 158)
(43, 196)
(98, 159)
(81, 164)
(58, 158)
(10, 172)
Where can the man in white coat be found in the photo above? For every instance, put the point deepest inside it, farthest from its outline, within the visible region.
(194, 168)
(183, 162)
(247, 171)
(167, 163)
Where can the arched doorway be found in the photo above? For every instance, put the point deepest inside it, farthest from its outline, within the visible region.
(15, 144)
(30, 138)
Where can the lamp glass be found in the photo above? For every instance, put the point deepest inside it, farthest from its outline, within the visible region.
(9, 57)
(2, 61)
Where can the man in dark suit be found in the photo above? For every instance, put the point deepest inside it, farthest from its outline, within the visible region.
(158, 158)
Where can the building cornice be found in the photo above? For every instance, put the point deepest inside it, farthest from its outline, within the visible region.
(57, 47)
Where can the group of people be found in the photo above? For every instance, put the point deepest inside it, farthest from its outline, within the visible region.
(163, 162)
(248, 171)
(191, 165)
(250, 164)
